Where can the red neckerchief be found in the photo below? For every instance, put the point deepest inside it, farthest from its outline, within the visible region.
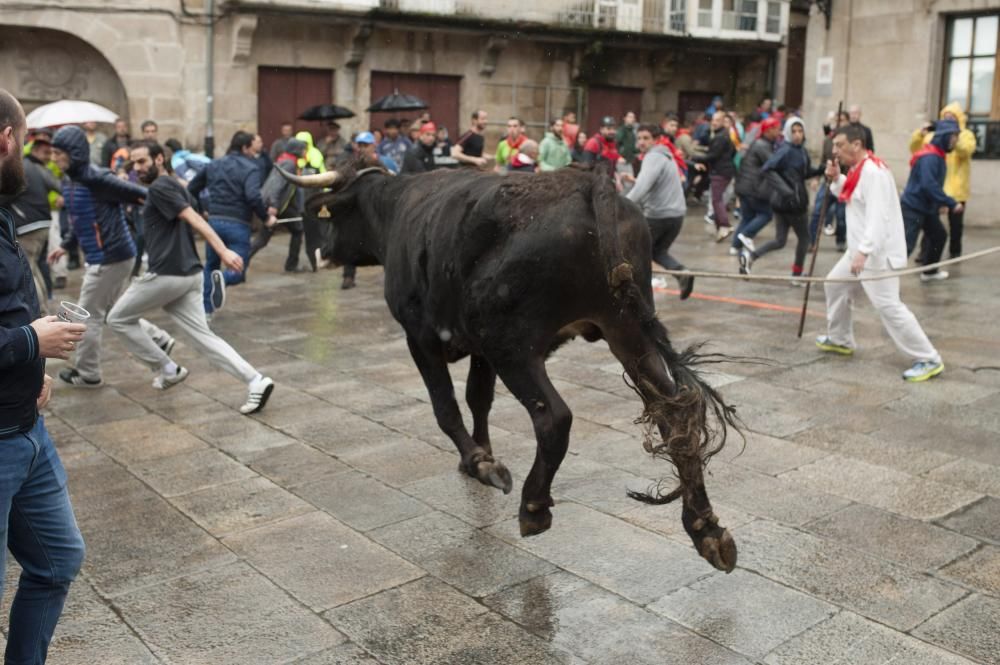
(517, 144)
(928, 149)
(604, 148)
(854, 175)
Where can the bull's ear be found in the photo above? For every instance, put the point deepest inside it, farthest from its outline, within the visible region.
(329, 206)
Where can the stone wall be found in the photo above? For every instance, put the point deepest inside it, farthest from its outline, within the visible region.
(888, 58)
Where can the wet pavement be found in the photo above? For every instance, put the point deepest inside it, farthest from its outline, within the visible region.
(334, 528)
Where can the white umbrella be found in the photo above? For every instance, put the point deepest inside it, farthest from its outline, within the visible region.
(69, 112)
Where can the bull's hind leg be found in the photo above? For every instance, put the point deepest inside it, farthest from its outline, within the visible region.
(552, 419)
(479, 393)
(477, 461)
(676, 414)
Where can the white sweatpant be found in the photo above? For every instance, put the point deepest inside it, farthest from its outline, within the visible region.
(181, 298)
(897, 318)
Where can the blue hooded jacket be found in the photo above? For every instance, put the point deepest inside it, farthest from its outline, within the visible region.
(925, 188)
(94, 199)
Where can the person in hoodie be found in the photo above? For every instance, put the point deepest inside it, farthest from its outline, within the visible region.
(288, 199)
(234, 186)
(95, 202)
(313, 158)
(553, 153)
(924, 196)
(660, 194)
(790, 162)
(956, 179)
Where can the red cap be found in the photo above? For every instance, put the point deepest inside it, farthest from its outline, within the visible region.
(428, 127)
(770, 123)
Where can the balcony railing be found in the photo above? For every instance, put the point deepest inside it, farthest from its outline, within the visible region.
(746, 19)
(987, 138)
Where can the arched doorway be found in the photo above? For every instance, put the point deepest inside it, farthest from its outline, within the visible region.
(38, 66)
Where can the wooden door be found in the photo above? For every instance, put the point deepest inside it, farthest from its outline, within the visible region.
(283, 93)
(691, 105)
(795, 68)
(610, 100)
(440, 92)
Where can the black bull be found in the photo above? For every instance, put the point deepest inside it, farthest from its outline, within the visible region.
(505, 269)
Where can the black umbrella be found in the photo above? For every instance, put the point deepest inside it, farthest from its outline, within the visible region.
(398, 102)
(326, 112)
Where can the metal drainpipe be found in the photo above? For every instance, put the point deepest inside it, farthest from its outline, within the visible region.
(210, 82)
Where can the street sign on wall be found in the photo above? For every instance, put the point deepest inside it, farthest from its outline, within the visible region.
(824, 77)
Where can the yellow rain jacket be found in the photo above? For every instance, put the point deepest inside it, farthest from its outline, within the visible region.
(956, 181)
(314, 158)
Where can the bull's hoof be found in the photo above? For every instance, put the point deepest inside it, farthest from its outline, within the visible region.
(719, 550)
(534, 519)
(490, 472)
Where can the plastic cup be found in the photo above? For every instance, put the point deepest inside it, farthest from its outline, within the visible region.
(70, 312)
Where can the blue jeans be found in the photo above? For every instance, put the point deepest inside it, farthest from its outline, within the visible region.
(755, 214)
(40, 530)
(835, 210)
(236, 236)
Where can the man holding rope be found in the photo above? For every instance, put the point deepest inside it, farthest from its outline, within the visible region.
(876, 243)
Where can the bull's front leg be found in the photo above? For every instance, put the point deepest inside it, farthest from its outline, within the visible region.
(477, 460)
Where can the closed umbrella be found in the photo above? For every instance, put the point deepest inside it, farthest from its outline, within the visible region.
(326, 112)
(398, 102)
(69, 112)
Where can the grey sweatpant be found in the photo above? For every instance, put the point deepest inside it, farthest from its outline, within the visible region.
(181, 298)
(102, 284)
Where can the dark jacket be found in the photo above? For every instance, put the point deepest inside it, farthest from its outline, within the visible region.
(21, 368)
(418, 159)
(750, 181)
(791, 163)
(31, 208)
(233, 184)
(719, 158)
(94, 198)
(625, 140)
(925, 188)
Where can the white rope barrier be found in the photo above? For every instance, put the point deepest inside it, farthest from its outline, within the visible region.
(882, 274)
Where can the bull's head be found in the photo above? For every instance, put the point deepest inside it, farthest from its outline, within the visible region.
(344, 221)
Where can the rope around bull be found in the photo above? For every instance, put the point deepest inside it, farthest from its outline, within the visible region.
(888, 274)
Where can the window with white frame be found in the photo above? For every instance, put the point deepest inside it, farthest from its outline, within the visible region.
(773, 25)
(739, 15)
(678, 15)
(705, 13)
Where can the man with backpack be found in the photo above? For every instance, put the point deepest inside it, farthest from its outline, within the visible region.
(752, 189)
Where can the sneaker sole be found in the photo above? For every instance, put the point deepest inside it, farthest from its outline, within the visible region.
(925, 377)
(218, 295)
(840, 350)
(182, 374)
(264, 396)
(82, 384)
(169, 346)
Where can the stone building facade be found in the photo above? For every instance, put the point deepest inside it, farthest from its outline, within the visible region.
(148, 58)
(902, 61)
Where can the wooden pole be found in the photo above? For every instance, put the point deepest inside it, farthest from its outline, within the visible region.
(819, 234)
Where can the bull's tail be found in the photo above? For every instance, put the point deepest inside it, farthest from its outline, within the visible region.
(687, 421)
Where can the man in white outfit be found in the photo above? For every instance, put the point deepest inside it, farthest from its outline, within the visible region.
(876, 242)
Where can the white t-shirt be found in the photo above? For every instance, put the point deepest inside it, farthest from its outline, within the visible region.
(874, 217)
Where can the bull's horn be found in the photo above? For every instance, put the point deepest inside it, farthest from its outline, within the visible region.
(316, 180)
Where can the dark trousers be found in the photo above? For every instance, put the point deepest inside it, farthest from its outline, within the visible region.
(835, 210)
(719, 184)
(916, 221)
(756, 213)
(956, 224)
(294, 244)
(783, 222)
(664, 231)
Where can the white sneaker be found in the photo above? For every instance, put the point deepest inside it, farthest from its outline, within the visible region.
(723, 233)
(320, 261)
(659, 283)
(164, 381)
(747, 242)
(260, 391)
(829, 230)
(734, 251)
(938, 276)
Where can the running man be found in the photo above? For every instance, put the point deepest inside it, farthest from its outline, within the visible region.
(174, 282)
(876, 243)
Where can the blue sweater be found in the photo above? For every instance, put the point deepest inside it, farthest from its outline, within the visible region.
(21, 368)
(925, 188)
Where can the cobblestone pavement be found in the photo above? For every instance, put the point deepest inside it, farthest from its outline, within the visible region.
(333, 528)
